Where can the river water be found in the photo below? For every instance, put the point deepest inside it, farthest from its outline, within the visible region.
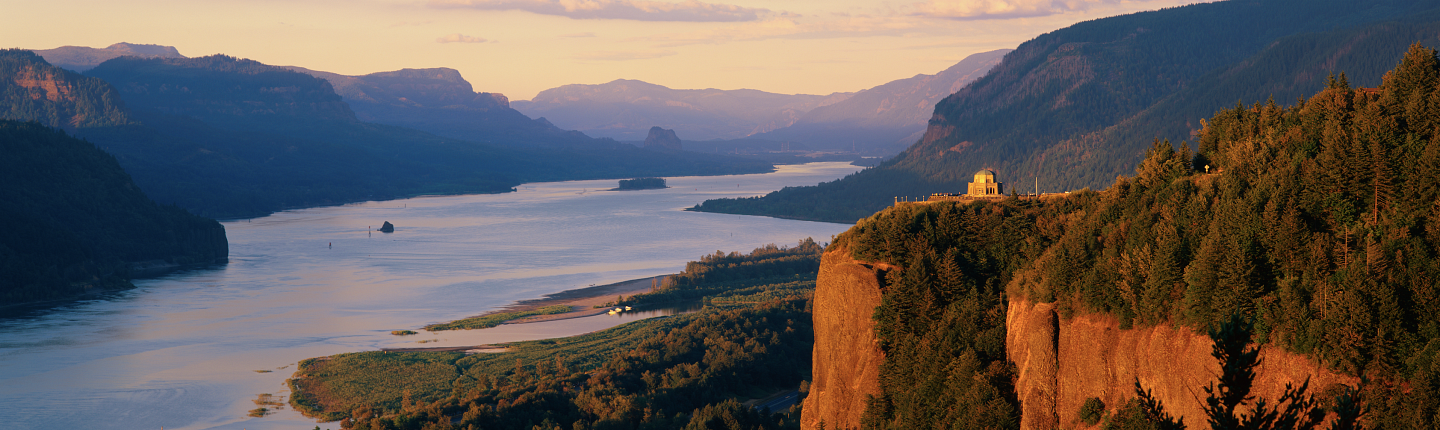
(193, 349)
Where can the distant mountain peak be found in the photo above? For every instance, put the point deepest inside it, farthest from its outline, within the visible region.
(82, 58)
(439, 87)
(661, 138)
(145, 50)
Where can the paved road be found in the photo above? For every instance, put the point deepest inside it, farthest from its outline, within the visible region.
(782, 403)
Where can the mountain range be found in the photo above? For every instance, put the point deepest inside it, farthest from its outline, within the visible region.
(880, 120)
(625, 109)
(442, 102)
(227, 137)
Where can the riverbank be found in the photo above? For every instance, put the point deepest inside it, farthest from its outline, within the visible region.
(583, 302)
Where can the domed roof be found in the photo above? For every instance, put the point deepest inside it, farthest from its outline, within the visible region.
(984, 176)
(985, 172)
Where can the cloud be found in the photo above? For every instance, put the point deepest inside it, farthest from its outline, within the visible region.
(1003, 9)
(460, 38)
(623, 55)
(586, 34)
(635, 10)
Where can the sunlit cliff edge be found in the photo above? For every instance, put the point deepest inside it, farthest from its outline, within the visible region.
(1059, 362)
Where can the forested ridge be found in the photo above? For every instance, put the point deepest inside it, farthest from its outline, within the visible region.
(227, 137)
(75, 223)
(1076, 107)
(78, 101)
(1318, 223)
(752, 337)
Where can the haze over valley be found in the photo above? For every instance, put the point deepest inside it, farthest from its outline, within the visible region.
(661, 214)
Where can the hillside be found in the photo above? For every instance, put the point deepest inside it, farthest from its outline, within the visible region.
(227, 137)
(76, 224)
(886, 119)
(55, 97)
(442, 102)
(1076, 107)
(1317, 223)
(625, 109)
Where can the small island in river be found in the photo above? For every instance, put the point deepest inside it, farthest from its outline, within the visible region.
(641, 184)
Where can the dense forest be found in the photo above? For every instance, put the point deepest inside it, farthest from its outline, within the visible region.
(752, 338)
(1317, 223)
(76, 224)
(1076, 107)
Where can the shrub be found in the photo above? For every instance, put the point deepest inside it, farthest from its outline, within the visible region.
(1092, 411)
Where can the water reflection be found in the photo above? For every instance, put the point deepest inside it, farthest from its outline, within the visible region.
(192, 349)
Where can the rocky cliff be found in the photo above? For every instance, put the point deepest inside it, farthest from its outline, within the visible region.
(847, 356)
(1060, 362)
(34, 90)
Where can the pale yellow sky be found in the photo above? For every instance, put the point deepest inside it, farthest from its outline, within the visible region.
(520, 47)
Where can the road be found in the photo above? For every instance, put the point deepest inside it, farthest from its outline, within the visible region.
(781, 403)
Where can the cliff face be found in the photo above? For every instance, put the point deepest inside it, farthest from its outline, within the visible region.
(37, 91)
(1062, 362)
(847, 356)
(1059, 362)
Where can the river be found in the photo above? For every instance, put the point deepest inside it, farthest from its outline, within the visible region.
(193, 349)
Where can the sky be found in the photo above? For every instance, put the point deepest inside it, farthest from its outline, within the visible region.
(522, 47)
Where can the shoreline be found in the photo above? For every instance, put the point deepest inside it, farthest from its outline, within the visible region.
(582, 302)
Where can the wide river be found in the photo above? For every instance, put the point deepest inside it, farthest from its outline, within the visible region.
(192, 350)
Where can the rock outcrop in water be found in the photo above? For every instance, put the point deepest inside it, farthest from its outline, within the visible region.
(387, 227)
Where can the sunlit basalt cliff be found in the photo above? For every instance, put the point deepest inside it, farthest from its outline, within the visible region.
(1060, 362)
(847, 356)
(36, 91)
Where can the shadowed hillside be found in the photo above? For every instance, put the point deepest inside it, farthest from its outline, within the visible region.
(76, 224)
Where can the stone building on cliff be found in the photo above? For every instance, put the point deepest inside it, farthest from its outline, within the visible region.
(985, 185)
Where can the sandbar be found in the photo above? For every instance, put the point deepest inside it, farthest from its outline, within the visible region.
(583, 302)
